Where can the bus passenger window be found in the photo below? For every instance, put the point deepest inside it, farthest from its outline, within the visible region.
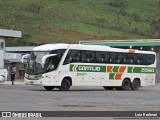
(68, 60)
(60, 53)
(102, 57)
(116, 58)
(128, 59)
(99, 57)
(88, 56)
(112, 57)
(72, 56)
(141, 59)
(150, 59)
(76, 58)
(99, 60)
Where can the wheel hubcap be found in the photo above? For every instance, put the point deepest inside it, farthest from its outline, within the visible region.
(64, 85)
(126, 85)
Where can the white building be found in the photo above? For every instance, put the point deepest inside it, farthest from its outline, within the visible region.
(3, 35)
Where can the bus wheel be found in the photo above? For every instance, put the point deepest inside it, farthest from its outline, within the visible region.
(49, 88)
(126, 84)
(66, 84)
(135, 84)
(108, 88)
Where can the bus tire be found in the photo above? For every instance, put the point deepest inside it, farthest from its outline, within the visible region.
(65, 85)
(108, 88)
(126, 84)
(135, 84)
(49, 88)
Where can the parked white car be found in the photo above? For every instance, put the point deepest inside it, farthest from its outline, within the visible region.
(2, 78)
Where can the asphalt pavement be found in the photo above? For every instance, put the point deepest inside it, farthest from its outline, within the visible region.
(21, 97)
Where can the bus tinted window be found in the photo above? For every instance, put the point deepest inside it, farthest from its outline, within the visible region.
(59, 53)
(116, 58)
(129, 58)
(72, 56)
(150, 59)
(102, 57)
(109, 57)
(140, 59)
(88, 56)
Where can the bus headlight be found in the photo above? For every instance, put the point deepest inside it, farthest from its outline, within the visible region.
(45, 76)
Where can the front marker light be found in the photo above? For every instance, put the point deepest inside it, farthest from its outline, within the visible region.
(45, 76)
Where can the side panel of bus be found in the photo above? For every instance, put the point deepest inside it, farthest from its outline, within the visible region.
(85, 74)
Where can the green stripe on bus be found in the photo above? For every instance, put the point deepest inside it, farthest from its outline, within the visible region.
(130, 69)
(141, 70)
(111, 76)
(71, 67)
(115, 69)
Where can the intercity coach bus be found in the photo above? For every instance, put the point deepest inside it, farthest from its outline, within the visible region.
(65, 65)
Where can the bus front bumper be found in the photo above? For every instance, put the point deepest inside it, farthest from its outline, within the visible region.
(33, 82)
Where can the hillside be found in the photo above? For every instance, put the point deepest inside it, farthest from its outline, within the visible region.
(72, 20)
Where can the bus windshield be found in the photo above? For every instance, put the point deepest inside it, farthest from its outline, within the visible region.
(35, 65)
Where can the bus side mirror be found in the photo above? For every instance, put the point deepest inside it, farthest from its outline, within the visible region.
(25, 56)
(47, 56)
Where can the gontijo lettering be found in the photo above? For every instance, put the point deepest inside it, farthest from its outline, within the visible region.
(87, 68)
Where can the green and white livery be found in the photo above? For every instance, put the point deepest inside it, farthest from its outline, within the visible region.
(65, 65)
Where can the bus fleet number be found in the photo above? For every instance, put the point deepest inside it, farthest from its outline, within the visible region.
(148, 70)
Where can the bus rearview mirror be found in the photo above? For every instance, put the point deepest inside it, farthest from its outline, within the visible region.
(47, 56)
(25, 56)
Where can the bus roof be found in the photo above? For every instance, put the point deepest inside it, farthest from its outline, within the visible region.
(49, 47)
(107, 48)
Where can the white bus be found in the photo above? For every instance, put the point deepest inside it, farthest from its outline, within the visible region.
(65, 65)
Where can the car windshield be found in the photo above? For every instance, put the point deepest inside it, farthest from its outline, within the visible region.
(35, 65)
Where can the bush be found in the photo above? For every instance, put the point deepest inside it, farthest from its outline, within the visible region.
(119, 3)
(122, 12)
(33, 8)
(135, 16)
